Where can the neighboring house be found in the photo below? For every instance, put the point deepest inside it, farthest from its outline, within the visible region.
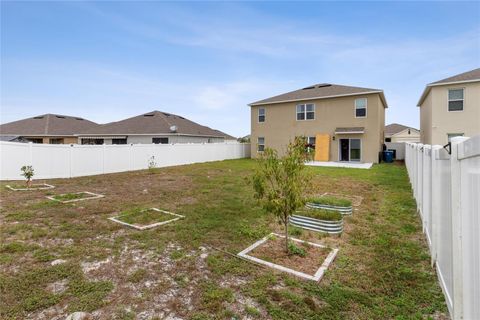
(342, 123)
(399, 133)
(13, 139)
(152, 127)
(450, 107)
(47, 128)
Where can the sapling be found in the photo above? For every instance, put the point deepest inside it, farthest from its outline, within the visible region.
(280, 182)
(152, 164)
(27, 172)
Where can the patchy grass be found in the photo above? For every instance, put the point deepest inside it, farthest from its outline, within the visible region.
(321, 214)
(331, 201)
(71, 196)
(382, 270)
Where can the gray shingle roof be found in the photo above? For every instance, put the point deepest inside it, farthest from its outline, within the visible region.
(47, 125)
(466, 76)
(469, 76)
(155, 122)
(394, 128)
(319, 91)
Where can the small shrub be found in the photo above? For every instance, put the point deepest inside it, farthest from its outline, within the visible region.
(293, 249)
(152, 164)
(28, 172)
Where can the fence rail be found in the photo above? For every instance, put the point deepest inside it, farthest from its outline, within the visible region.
(66, 161)
(446, 187)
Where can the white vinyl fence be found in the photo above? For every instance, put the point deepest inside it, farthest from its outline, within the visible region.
(66, 161)
(446, 187)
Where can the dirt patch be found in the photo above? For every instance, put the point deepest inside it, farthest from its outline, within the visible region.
(273, 250)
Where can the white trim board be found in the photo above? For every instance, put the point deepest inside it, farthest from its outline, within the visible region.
(46, 187)
(316, 277)
(149, 226)
(93, 196)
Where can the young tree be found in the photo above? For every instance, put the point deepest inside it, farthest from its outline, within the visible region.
(27, 172)
(280, 182)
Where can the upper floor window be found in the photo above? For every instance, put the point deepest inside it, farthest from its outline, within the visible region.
(305, 111)
(261, 144)
(261, 115)
(361, 108)
(455, 100)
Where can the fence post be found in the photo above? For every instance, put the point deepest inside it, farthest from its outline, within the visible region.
(435, 200)
(457, 245)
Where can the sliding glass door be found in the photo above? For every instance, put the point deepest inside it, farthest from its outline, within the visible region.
(350, 150)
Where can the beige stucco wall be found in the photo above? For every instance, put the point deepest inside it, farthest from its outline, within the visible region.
(436, 121)
(403, 136)
(281, 126)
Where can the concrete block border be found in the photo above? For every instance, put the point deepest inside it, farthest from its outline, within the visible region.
(93, 196)
(153, 225)
(316, 277)
(45, 187)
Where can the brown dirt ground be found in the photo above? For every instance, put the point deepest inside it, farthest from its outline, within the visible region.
(273, 250)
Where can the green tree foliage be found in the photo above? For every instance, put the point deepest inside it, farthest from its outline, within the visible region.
(280, 182)
(27, 172)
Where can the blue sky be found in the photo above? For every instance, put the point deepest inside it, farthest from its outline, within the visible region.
(106, 61)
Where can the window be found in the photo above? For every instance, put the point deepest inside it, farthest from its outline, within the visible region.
(261, 144)
(361, 108)
(306, 111)
(160, 140)
(261, 115)
(453, 135)
(455, 100)
(92, 141)
(56, 140)
(119, 141)
(311, 141)
(35, 140)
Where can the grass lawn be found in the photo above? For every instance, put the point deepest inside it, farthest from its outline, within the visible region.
(72, 196)
(59, 258)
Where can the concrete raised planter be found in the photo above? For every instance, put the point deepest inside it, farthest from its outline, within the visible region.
(36, 186)
(175, 217)
(315, 277)
(90, 196)
(331, 227)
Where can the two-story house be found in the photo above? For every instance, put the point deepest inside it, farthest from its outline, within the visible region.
(343, 123)
(450, 108)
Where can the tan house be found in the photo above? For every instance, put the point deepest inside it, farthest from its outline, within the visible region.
(46, 128)
(342, 123)
(450, 107)
(396, 133)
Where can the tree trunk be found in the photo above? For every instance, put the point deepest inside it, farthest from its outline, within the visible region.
(286, 234)
(29, 183)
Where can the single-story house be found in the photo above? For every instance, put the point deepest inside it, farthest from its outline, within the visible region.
(153, 127)
(47, 128)
(395, 132)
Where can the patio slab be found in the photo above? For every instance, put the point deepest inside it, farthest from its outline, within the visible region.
(366, 165)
